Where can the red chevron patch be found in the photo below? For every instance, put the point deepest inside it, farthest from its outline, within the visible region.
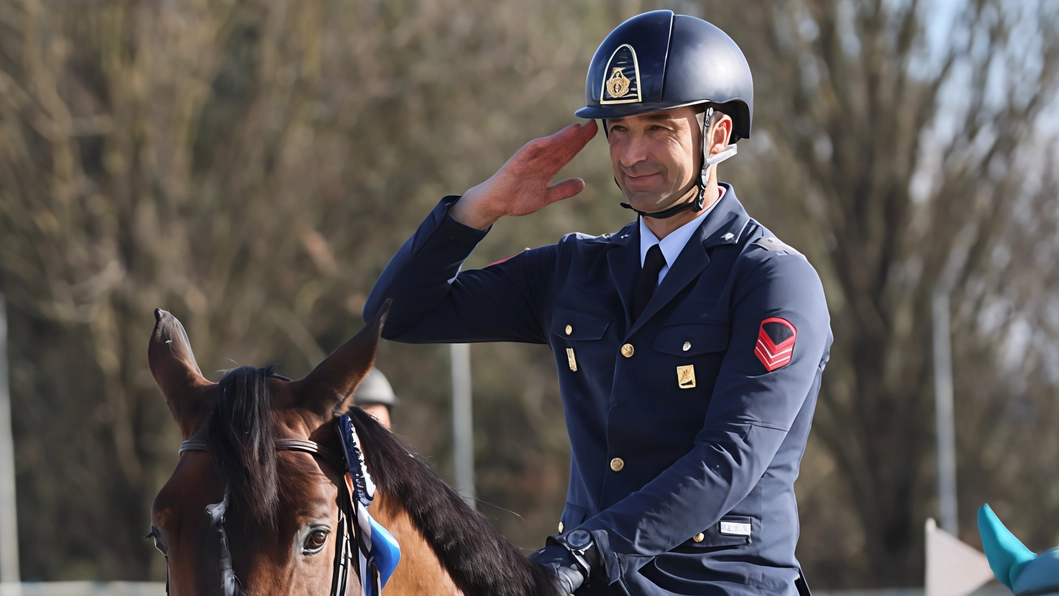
(775, 343)
(504, 260)
(508, 258)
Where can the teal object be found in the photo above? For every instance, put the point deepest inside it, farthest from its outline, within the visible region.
(1017, 567)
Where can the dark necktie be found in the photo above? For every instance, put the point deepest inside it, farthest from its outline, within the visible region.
(648, 280)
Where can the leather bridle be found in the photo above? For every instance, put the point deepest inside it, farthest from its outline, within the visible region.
(348, 522)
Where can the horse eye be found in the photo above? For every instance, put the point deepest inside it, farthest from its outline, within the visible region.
(315, 542)
(158, 544)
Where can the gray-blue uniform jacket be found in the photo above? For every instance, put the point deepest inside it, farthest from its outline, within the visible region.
(687, 426)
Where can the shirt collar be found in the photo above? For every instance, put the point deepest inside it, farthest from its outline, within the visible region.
(675, 242)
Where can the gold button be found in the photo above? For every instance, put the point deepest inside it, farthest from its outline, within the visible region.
(561, 527)
(617, 464)
(569, 329)
(687, 346)
(698, 537)
(627, 350)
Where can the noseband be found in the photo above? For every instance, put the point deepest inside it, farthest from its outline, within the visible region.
(347, 519)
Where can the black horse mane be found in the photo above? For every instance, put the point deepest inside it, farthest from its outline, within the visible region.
(241, 441)
(478, 558)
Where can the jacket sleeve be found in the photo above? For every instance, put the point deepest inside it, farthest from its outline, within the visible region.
(434, 302)
(750, 413)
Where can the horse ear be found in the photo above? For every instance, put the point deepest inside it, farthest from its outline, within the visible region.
(326, 391)
(177, 374)
(1006, 554)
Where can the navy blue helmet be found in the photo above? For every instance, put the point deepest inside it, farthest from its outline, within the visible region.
(659, 60)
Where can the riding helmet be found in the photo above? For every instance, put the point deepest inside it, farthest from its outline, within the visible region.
(659, 60)
(374, 389)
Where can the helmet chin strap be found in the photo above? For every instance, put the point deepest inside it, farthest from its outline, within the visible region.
(704, 175)
(696, 204)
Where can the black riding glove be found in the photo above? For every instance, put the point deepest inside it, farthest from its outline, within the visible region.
(571, 558)
(562, 564)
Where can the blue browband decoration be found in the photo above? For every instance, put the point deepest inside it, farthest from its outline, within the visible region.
(363, 487)
(378, 551)
(385, 549)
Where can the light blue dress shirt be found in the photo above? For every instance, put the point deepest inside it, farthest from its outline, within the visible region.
(676, 240)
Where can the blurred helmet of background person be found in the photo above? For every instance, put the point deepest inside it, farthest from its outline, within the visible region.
(659, 61)
(375, 396)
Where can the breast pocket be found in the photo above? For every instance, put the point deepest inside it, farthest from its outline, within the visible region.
(577, 326)
(577, 340)
(693, 353)
(692, 339)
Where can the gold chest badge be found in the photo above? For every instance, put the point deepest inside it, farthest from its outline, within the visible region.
(571, 359)
(618, 84)
(686, 376)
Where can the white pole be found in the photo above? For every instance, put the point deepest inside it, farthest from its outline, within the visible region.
(8, 514)
(462, 425)
(946, 426)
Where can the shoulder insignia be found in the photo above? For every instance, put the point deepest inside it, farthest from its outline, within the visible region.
(773, 244)
(775, 343)
(504, 260)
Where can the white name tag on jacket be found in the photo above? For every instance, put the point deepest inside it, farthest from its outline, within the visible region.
(735, 529)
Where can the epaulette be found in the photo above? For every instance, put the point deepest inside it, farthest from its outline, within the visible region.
(773, 244)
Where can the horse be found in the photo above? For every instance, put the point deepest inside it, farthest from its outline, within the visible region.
(259, 459)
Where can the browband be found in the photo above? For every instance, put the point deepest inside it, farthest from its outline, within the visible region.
(311, 447)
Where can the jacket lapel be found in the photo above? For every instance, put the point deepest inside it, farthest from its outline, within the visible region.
(691, 262)
(723, 225)
(624, 263)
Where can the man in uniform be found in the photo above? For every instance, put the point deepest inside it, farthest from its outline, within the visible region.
(375, 396)
(689, 344)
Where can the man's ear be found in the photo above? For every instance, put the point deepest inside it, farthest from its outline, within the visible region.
(174, 368)
(720, 133)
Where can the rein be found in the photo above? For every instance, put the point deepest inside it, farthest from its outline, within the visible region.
(347, 524)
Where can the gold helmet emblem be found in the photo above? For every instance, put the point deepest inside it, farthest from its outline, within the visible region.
(623, 84)
(618, 84)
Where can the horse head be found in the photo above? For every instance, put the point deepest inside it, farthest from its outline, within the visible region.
(282, 520)
(251, 508)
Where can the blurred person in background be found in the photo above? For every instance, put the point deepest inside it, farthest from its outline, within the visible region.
(375, 396)
(690, 344)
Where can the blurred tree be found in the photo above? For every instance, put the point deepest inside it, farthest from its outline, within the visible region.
(251, 165)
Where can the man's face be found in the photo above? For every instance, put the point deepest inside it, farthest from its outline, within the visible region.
(379, 412)
(655, 156)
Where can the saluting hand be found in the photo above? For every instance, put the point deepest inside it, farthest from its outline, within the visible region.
(523, 184)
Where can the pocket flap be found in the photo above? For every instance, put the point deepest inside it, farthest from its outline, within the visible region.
(732, 530)
(577, 326)
(692, 339)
